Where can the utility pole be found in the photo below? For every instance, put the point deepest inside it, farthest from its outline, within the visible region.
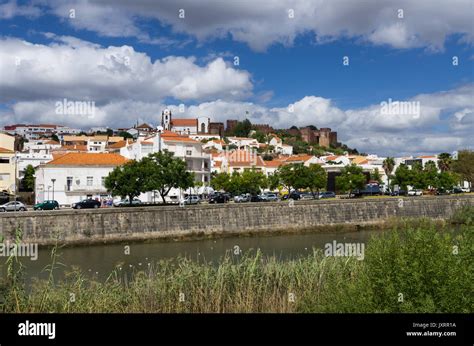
(16, 174)
(53, 181)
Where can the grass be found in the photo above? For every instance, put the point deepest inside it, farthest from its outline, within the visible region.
(420, 266)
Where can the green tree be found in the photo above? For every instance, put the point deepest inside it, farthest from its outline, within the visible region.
(464, 166)
(403, 176)
(125, 134)
(164, 172)
(430, 174)
(221, 181)
(28, 181)
(375, 176)
(288, 176)
(388, 165)
(252, 181)
(444, 162)
(127, 180)
(317, 178)
(351, 178)
(242, 128)
(445, 180)
(274, 181)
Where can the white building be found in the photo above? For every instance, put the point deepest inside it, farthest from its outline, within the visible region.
(75, 176)
(180, 146)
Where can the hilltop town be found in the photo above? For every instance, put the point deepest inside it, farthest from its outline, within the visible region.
(70, 165)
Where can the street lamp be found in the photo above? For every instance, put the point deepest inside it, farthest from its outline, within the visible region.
(53, 181)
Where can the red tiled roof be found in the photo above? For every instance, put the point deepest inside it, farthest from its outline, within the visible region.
(89, 159)
(184, 122)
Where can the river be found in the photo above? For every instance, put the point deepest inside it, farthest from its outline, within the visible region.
(100, 260)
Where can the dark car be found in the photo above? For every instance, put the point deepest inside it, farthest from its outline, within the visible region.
(398, 193)
(327, 194)
(87, 204)
(256, 198)
(47, 205)
(295, 195)
(218, 198)
(370, 190)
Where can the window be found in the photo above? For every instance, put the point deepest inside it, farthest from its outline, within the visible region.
(189, 152)
(68, 183)
(90, 181)
(4, 160)
(103, 181)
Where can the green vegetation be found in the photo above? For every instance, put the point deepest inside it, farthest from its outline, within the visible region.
(351, 178)
(418, 266)
(250, 181)
(28, 181)
(464, 165)
(423, 178)
(157, 172)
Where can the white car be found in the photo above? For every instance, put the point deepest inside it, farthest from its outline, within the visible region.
(126, 202)
(12, 206)
(465, 189)
(191, 200)
(417, 192)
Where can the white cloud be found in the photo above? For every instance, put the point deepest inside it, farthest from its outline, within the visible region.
(11, 9)
(77, 69)
(445, 122)
(261, 23)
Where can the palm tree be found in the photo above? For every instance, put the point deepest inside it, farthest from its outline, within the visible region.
(388, 165)
(444, 162)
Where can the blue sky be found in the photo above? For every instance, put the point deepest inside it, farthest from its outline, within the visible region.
(283, 61)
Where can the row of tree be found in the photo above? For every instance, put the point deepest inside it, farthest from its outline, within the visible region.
(290, 177)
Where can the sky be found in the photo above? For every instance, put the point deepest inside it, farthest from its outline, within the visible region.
(328, 63)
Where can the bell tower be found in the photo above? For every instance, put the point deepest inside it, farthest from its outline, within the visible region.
(166, 119)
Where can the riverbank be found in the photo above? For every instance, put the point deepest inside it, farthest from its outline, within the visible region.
(417, 267)
(72, 227)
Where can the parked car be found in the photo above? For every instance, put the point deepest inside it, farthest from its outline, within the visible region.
(256, 198)
(242, 198)
(217, 198)
(12, 206)
(370, 190)
(46, 205)
(295, 195)
(191, 200)
(327, 194)
(270, 197)
(126, 202)
(308, 195)
(457, 189)
(87, 204)
(465, 189)
(415, 192)
(441, 192)
(398, 193)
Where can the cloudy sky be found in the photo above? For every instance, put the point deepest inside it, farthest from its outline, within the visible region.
(330, 63)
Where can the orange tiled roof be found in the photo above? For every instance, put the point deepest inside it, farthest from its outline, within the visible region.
(6, 151)
(73, 147)
(52, 142)
(184, 122)
(427, 157)
(297, 158)
(89, 159)
(173, 136)
(119, 145)
(273, 163)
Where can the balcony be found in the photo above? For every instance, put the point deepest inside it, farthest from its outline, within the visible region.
(84, 188)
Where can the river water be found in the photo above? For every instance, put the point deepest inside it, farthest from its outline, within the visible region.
(100, 260)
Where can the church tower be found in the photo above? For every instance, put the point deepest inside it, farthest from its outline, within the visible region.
(166, 119)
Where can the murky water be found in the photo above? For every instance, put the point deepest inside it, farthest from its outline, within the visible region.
(101, 260)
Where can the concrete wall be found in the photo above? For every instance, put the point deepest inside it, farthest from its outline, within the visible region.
(97, 226)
